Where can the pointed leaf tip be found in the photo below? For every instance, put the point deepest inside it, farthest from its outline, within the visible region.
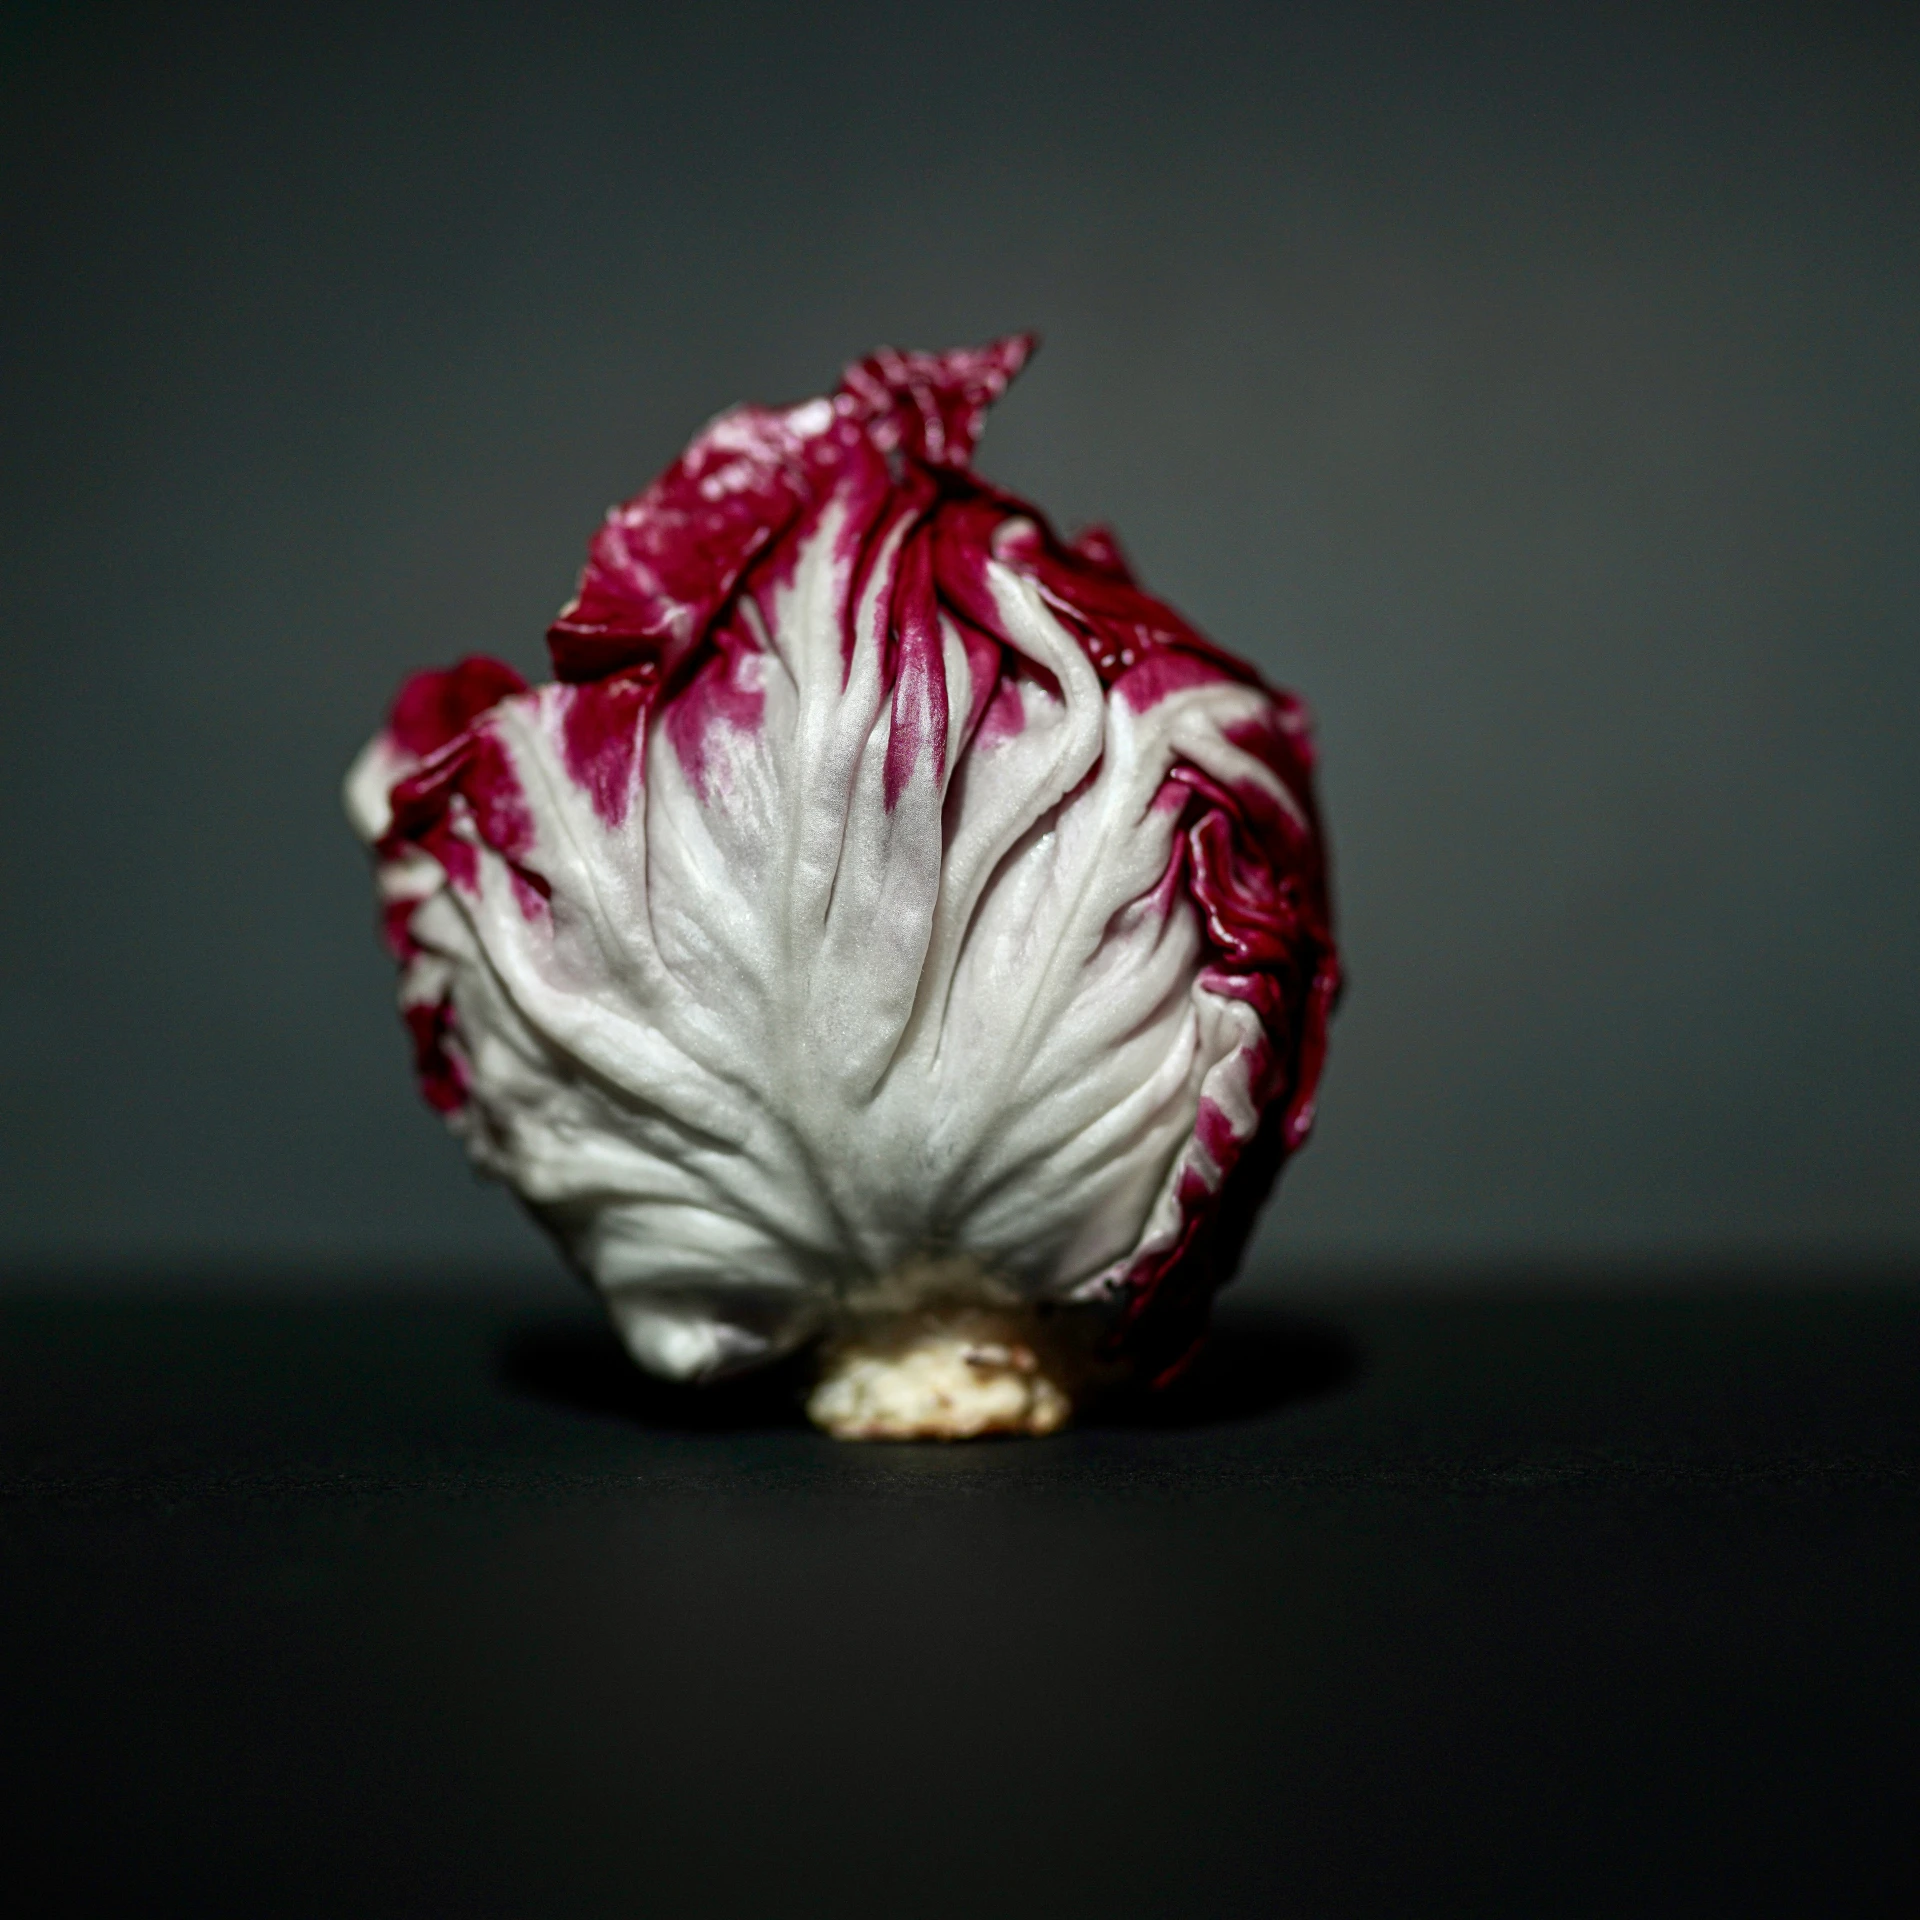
(931, 406)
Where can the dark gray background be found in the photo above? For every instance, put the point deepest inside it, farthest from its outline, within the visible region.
(1536, 391)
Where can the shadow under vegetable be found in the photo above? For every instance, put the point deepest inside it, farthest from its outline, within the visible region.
(1257, 1361)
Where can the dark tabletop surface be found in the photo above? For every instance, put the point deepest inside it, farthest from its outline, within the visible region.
(1491, 1605)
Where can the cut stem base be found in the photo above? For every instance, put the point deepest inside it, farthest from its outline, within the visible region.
(947, 1373)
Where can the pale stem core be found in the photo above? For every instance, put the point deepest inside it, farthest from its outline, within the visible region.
(938, 1352)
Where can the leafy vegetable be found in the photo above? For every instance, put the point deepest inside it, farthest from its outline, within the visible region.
(887, 902)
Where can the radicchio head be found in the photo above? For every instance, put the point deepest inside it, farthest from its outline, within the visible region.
(891, 926)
